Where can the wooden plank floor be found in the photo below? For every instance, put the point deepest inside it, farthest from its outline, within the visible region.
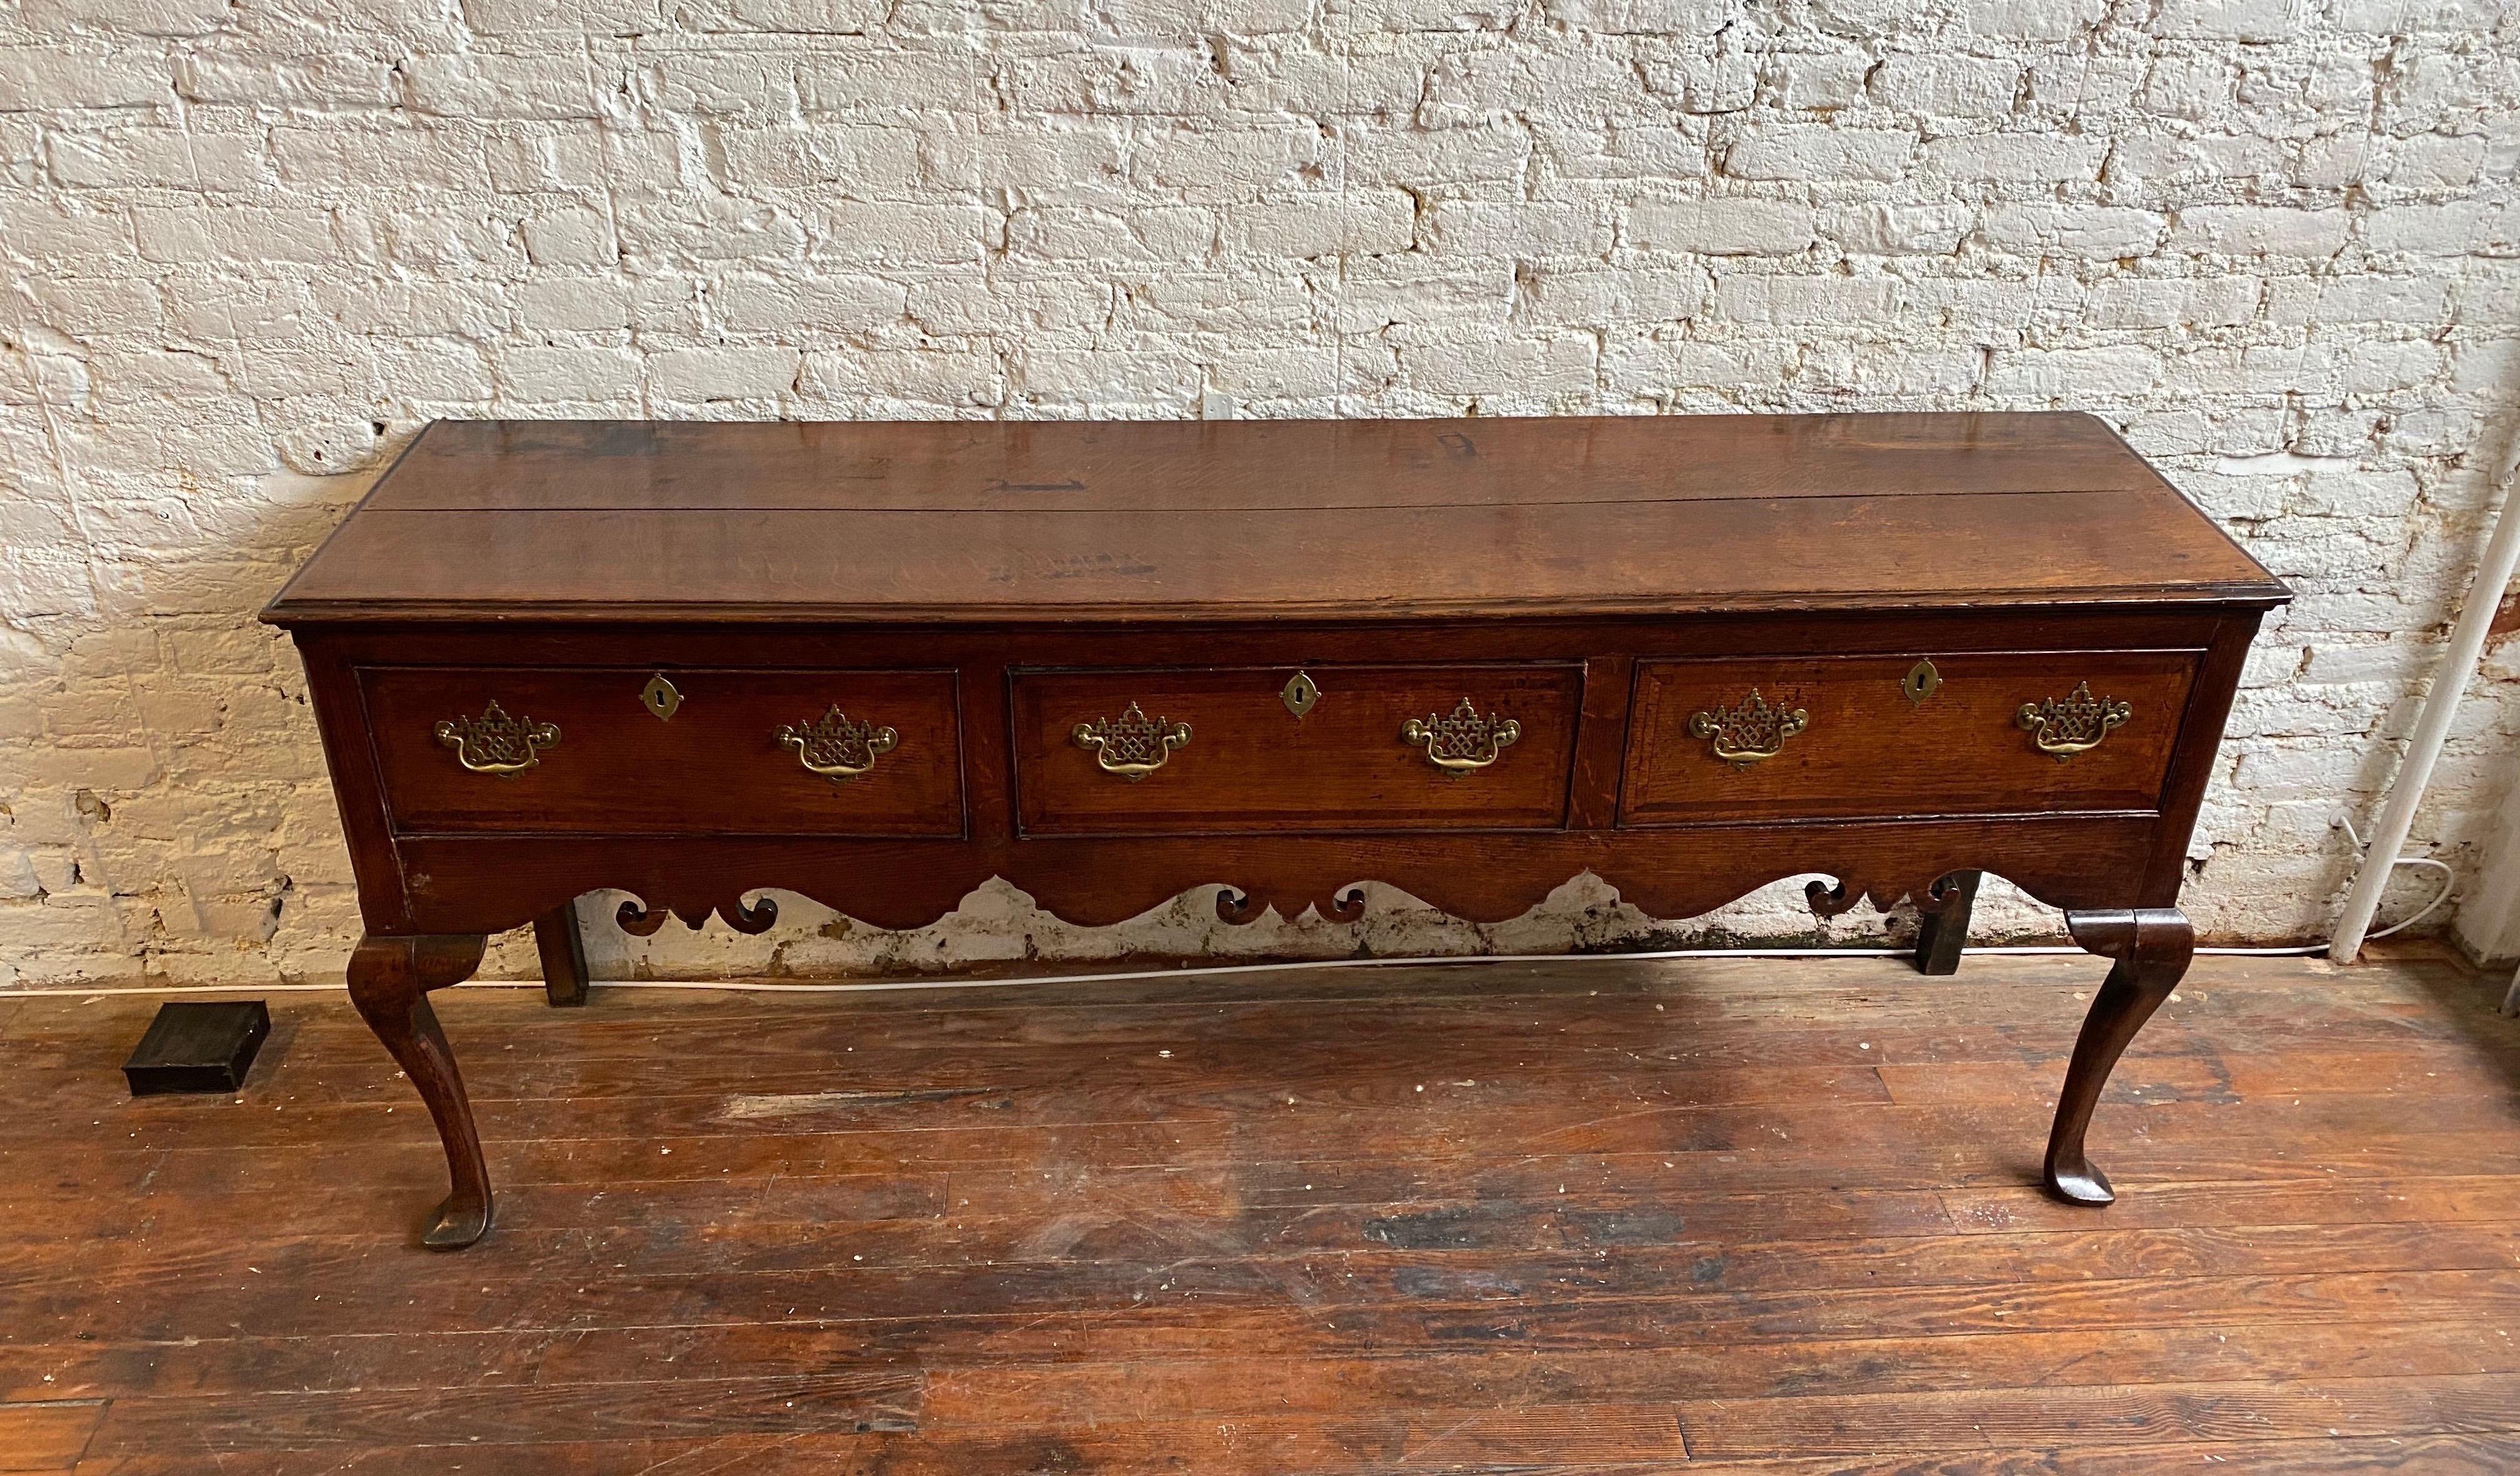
(1612, 1216)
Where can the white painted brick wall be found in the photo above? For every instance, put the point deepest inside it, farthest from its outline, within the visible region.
(251, 244)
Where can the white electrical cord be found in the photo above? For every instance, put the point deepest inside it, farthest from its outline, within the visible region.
(880, 986)
(2449, 879)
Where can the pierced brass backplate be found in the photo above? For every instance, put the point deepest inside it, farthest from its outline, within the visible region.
(835, 747)
(1299, 695)
(1463, 743)
(1751, 732)
(1921, 680)
(496, 743)
(1132, 745)
(660, 697)
(2076, 723)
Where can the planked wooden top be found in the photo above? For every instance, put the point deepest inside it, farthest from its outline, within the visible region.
(1263, 520)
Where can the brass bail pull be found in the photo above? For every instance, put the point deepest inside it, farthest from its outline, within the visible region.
(1132, 745)
(1751, 732)
(1460, 743)
(496, 743)
(835, 747)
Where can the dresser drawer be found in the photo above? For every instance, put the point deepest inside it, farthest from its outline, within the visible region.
(582, 750)
(1225, 749)
(1877, 736)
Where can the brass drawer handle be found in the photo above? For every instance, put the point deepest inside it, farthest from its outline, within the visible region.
(835, 747)
(2073, 723)
(495, 742)
(1132, 745)
(1464, 742)
(1750, 733)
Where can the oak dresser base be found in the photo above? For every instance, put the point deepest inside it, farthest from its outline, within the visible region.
(880, 664)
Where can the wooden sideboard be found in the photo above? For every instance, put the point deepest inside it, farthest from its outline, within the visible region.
(878, 663)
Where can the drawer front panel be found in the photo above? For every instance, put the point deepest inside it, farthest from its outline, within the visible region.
(717, 766)
(1868, 742)
(1250, 762)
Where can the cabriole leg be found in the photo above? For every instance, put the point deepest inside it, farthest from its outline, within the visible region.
(1940, 936)
(390, 982)
(563, 950)
(2150, 948)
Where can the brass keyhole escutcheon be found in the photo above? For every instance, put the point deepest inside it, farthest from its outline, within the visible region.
(1299, 695)
(661, 697)
(1921, 680)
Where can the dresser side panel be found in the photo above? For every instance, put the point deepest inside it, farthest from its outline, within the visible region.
(358, 787)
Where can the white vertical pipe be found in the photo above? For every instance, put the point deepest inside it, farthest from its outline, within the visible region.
(2432, 728)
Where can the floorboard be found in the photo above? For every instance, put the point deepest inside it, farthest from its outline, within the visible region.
(1602, 1217)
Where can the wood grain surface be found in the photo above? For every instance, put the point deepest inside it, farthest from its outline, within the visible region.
(1252, 765)
(1871, 750)
(715, 765)
(955, 521)
(1607, 1215)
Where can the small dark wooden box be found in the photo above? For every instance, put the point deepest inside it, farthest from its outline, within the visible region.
(197, 1048)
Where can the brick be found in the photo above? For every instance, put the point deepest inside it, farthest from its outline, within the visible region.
(1804, 300)
(1818, 153)
(1808, 83)
(2013, 157)
(1721, 228)
(723, 374)
(1647, 17)
(77, 75)
(249, 79)
(615, 18)
(1627, 295)
(159, 157)
(2450, 230)
(1068, 160)
(2227, 20)
(2093, 233)
(1374, 221)
(2034, 20)
(869, 77)
(855, 231)
(1898, 230)
(572, 375)
(2263, 231)
(811, 16)
(1531, 229)
(1066, 234)
(2436, 162)
(125, 17)
(2157, 302)
(1143, 376)
(1946, 83)
(927, 377)
(1499, 366)
(576, 236)
(872, 159)
(323, 156)
(1379, 291)
(2078, 375)
(1241, 302)
(42, 232)
(491, 86)
(836, 304)
(1239, 164)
